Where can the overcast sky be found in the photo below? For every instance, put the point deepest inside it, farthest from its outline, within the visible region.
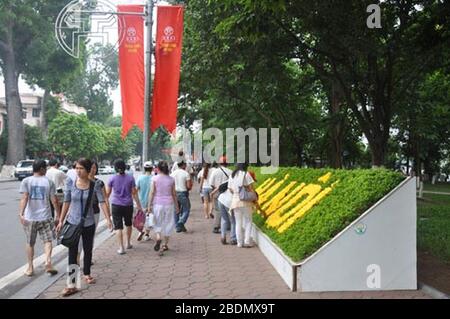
(24, 88)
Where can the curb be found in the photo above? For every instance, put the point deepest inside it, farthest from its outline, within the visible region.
(8, 180)
(434, 293)
(16, 286)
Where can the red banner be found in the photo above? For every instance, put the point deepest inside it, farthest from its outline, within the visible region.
(169, 33)
(131, 68)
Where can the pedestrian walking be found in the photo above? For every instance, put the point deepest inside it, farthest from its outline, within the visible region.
(183, 184)
(59, 179)
(78, 202)
(242, 209)
(205, 190)
(123, 189)
(163, 203)
(35, 214)
(143, 186)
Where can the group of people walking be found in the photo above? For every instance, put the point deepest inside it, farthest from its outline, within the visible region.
(51, 200)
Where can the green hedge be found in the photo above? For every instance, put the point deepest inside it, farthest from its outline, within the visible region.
(356, 191)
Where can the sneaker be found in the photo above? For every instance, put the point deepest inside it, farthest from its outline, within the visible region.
(147, 238)
(179, 230)
(183, 229)
(121, 251)
(239, 245)
(216, 230)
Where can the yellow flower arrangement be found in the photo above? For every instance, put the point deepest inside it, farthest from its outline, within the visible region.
(279, 196)
(266, 194)
(265, 186)
(280, 203)
(299, 213)
(261, 188)
(278, 218)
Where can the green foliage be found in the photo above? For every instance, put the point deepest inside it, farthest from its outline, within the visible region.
(356, 191)
(74, 136)
(36, 144)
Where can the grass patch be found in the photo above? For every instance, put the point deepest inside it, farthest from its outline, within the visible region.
(438, 187)
(433, 225)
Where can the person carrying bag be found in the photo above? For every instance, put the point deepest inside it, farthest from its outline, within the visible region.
(70, 234)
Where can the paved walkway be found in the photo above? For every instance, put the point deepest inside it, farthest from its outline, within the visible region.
(196, 266)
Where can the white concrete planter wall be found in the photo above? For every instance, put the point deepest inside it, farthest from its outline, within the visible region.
(375, 252)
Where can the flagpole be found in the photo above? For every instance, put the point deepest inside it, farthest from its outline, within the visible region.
(148, 82)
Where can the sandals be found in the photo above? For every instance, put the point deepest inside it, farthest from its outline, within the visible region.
(50, 270)
(164, 248)
(89, 280)
(69, 292)
(29, 273)
(157, 245)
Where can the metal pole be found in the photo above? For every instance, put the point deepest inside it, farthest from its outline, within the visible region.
(148, 82)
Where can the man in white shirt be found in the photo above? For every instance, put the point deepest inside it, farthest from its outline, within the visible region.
(183, 184)
(72, 173)
(218, 176)
(59, 179)
(227, 222)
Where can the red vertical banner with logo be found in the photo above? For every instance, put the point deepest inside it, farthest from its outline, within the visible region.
(131, 67)
(169, 33)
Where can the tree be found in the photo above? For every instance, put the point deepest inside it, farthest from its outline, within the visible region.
(372, 68)
(36, 144)
(92, 89)
(73, 136)
(26, 32)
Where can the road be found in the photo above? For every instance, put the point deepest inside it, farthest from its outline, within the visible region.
(12, 236)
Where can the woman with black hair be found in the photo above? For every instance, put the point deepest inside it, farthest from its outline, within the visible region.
(242, 209)
(123, 188)
(76, 197)
(164, 205)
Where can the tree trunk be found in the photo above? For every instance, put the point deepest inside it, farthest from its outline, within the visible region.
(336, 126)
(43, 112)
(16, 131)
(378, 149)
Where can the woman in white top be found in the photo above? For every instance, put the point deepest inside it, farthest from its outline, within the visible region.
(205, 190)
(242, 209)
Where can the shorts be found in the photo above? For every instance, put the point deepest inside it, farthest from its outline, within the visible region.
(206, 193)
(120, 214)
(45, 228)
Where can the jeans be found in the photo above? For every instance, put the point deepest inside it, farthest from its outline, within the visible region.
(227, 221)
(185, 208)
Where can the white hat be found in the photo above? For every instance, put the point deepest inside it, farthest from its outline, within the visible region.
(147, 164)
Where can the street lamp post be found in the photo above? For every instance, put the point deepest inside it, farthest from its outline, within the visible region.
(148, 81)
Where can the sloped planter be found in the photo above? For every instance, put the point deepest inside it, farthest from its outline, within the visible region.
(377, 251)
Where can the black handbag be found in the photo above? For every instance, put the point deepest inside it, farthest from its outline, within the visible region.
(224, 186)
(70, 234)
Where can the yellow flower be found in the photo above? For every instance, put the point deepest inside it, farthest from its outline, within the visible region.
(324, 178)
(279, 204)
(279, 196)
(300, 212)
(265, 196)
(277, 219)
(261, 187)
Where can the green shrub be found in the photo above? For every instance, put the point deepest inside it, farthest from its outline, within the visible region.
(356, 191)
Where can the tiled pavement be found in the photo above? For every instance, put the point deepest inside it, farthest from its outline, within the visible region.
(196, 266)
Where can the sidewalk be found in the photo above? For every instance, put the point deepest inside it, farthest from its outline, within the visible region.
(196, 266)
